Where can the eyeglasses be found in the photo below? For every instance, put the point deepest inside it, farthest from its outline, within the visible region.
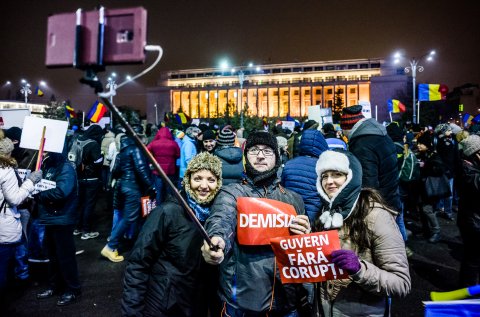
(266, 151)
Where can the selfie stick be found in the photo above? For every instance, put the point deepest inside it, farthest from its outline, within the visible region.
(116, 113)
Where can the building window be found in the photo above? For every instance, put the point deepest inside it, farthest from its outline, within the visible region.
(307, 92)
(353, 90)
(330, 67)
(340, 91)
(364, 77)
(295, 92)
(275, 93)
(318, 91)
(276, 70)
(318, 68)
(330, 78)
(285, 92)
(353, 66)
(329, 103)
(329, 91)
(307, 69)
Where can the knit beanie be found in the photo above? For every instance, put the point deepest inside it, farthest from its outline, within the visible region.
(263, 138)
(203, 161)
(426, 139)
(395, 132)
(226, 137)
(471, 145)
(282, 142)
(6, 145)
(179, 134)
(14, 133)
(208, 135)
(191, 131)
(350, 116)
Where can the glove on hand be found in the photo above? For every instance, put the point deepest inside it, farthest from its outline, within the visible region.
(35, 176)
(346, 260)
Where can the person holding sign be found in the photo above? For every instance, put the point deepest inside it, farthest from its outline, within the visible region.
(11, 195)
(166, 258)
(243, 219)
(372, 249)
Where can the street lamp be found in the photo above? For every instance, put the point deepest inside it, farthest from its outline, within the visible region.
(156, 115)
(25, 90)
(414, 67)
(112, 87)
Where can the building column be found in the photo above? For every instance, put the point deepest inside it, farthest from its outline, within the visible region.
(278, 100)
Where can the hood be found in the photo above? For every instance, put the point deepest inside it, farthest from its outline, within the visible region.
(312, 143)
(345, 200)
(230, 154)
(109, 134)
(367, 127)
(94, 132)
(163, 134)
(125, 141)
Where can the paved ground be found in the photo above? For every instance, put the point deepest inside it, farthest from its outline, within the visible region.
(432, 267)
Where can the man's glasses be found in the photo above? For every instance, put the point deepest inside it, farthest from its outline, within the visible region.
(266, 151)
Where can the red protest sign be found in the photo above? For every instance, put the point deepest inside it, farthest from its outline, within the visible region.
(306, 258)
(260, 219)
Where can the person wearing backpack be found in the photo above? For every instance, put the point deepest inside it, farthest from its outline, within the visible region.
(88, 159)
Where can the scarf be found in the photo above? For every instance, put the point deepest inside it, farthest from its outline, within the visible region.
(201, 212)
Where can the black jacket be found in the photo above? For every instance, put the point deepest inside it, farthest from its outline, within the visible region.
(232, 164)
(376, 152)
(468, 191)
(92, 158)
(166, 273)
(58, 206)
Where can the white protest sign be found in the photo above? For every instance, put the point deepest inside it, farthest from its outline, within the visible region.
(13, 117)
(43, 185)
(290, 125)
(321, 115)
(196, 122)
(104, 122)
(366, 108)
(54, 134)
(314, 113)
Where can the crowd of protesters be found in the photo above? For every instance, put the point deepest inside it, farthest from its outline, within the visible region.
(361, 178)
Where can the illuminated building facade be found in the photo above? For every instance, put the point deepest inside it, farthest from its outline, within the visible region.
(267, 90)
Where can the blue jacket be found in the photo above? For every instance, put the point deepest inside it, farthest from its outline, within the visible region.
(299, 173)
(187, 152)
(58, 206)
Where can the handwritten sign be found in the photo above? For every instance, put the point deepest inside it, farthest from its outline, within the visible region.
(260, 219)
(147, 205)
(43, 185)
(306, 258)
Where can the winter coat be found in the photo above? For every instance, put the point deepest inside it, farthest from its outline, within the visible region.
(187, 152)
(448, 151)
(108, 138)
(247, 272)
(299, 173)
(131, 168)
(370, 143)
(469, 191)
(13, 195)
(58, 206)
(165, 271)
(92, 158)
(232, 164)
(433, 166)
(384, 271)
(165, 150)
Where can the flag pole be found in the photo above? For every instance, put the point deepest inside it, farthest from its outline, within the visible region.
(418, 111)
(115, 112)
(376, 112)
(390, 113)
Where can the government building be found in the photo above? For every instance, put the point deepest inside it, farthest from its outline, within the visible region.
(275, 90)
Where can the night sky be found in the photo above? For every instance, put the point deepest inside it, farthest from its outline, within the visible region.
(200, 33)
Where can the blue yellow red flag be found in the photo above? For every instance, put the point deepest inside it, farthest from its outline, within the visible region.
(38, 92)
(395, 106)
(69, 112)
(97, 111)
(182, 118)
(431, 92)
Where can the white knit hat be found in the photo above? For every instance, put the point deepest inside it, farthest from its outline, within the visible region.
(471, 145)
(332, 161)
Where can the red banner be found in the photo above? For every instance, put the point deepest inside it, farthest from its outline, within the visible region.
(260, 219)
(306, 258)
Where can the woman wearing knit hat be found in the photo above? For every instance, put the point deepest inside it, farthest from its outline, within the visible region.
(11, 195)
(372, 249)
(468, 219)
(166, 258)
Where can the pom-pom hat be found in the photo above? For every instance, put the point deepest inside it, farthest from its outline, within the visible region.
(471, 145)
(350, 116)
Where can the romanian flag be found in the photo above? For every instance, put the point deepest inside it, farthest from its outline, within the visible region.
(432, 92)
(476, 119)
(395, 106)
(467, 119)
(96, 112)
(297, 123)
(38, 92)
(69, 112)
(182, 118)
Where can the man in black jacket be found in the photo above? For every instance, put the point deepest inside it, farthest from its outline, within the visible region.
(89, 182)
(134, 178)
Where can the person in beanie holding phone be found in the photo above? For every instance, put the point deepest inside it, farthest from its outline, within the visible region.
(249, 281)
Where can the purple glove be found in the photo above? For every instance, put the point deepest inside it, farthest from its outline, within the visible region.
(346, 260)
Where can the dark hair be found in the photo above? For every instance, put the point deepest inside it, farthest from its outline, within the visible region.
(355, 225)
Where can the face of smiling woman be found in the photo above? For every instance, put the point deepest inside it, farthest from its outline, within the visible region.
(332, 181)
(203, 183)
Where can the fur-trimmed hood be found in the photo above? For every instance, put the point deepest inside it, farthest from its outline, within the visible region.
(341, 205)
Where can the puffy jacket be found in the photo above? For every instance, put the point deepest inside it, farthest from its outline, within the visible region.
(433, 166)
(447, 149)
(92, 158)
(299, 173)
(187, 152)
(232, 164)
(108, 138)
(13, 195)
(468, 191)
(384, 271)
(58, 206)
(131, 168)
(165, 150)
(370, 143)
(165, 273)
(247, 273)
